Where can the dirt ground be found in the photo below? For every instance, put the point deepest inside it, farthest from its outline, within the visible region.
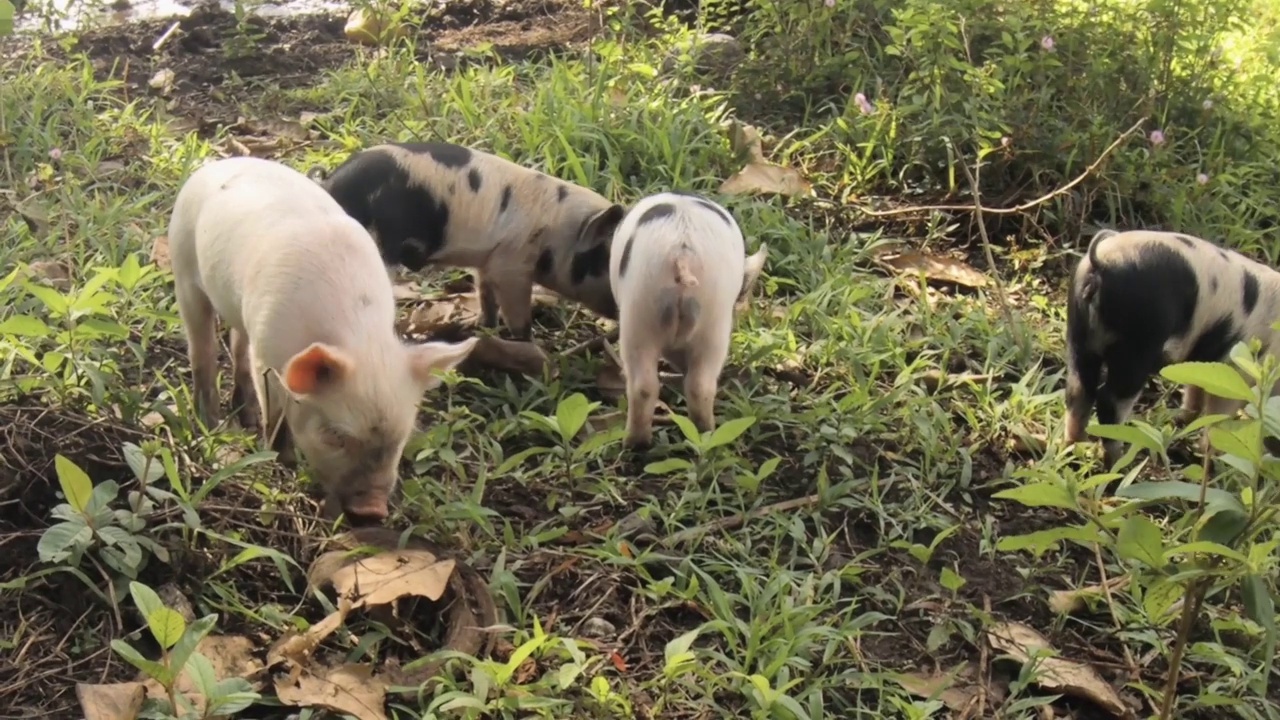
(290, 52)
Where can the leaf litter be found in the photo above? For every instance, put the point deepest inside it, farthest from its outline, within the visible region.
(940, 268)
(1055, 673)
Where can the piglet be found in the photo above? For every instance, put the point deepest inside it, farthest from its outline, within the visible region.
(445, 204)
(1140, 300)
(677, 267)
(312, 315)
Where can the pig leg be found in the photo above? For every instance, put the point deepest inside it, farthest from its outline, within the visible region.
(487, 294)
(201, 324)
(271, 401)
(1084, 374)
(514, 291)
(1128, 370)
(706, 358)
(242, 389)
(1193, 402)
(640, 365)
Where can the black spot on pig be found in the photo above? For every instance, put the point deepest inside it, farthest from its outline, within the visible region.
(707, 205)
(667, 315)
(473, 179)
(1223, 254)
(543, 266)
(1250, 292)
(506, 199)
(562, 193)
(1188, 241)
(447, 154)
(626, 255)
(589, 263)
(1215, 342)
(608, 308)
(407, 219)
(1214, 285)
(655, 213)
(453, 188)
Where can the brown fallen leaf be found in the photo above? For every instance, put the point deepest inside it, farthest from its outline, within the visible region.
(160, 252)
(437, 313)
(955, 689)
(229, 655)
(162, 81)
(406, 291)
(1057, 674)
(762, 178)
(246, 145)
(1066, 602)
(937, 267)
(507, 355)
(745, 141)
(53, 273)
(349, 688)
(388, 576)
(113, 701)
(296, 648)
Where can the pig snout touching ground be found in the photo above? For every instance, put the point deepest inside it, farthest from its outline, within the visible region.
(311, 314)
(678, 266)
(444, 204)
(1140, 300)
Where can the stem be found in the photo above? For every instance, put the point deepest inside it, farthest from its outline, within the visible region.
(1191, 608)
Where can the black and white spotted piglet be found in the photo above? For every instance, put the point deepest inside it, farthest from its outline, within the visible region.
(446, 204)
(1141, 300)
(678, 267)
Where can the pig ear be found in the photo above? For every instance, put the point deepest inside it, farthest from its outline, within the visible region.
(315, 368)
(427, 360)
(751, 270)
(602, 224)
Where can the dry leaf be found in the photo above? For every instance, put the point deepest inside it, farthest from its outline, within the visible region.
(406, 291)
(745, 141)
(297, 648)
(372, 28)
(160, 252)
(1066, 602)
(230, 655)
(762, 178)
(350, 689)
(935, 267)
(462, 309)
(508, 355)
(55, 273)
(388, 576)
(955, 689)
(1057, 674)
(114, 701)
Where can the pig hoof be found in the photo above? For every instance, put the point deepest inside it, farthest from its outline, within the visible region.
(638, 444)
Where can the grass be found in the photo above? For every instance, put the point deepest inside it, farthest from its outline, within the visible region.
(879, 415)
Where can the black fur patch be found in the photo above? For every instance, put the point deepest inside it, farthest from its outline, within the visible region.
(473, 179)
(562, 193)
(1185, 240)
(656, 212)
(543, 266)
(1223, 254)
(589, 263)
(409, 221)
(610, 309)
(707, 204)
(1215, 342)
(1250, 292)
(506, 199)
(626, 255)
(447, 154)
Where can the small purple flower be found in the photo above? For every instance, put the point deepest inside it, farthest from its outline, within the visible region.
(1207, 104)
(864, 104)
(829, 3)
(55, 154)
(1006, 141)
(1046, 42)
(1157, 138)
(1202, 178)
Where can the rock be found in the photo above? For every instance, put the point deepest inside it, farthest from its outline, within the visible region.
(715, 54)
(598, 628)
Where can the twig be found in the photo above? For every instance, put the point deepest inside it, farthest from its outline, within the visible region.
(159, 43)
(1001, 298)
(734, 521)
(1111, 607)
(592, 344)
(1026, 205)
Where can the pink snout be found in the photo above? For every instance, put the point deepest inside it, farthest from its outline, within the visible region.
(364, 508)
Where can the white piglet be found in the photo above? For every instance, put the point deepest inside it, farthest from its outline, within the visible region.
(312, 320)
(678, 266)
